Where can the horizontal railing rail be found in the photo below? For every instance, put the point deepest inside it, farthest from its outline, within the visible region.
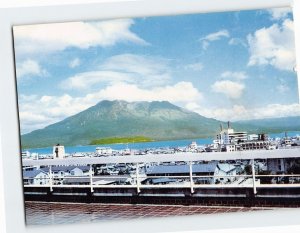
(246, 181)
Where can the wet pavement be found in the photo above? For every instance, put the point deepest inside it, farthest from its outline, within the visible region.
(44, 213)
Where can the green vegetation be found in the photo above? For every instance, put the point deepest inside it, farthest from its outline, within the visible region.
(136, 139)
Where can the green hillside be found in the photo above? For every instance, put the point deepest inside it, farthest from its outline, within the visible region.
(108, 119)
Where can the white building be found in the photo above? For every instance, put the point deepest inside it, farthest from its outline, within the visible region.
(230, 147)
(58, 152)
(229, 136)
(104, 151)
(35, 177)
(80, 171)
(252, 137)
(25, 154)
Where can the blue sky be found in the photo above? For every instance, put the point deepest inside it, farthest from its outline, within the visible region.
(228, 66)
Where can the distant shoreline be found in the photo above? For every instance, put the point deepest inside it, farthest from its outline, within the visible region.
(120, 140)
(130, 142)
(146, 139)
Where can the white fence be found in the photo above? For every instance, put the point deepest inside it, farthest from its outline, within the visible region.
(190, 181)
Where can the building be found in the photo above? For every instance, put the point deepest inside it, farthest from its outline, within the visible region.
(58, 152)
(255, 145)
(104, 151)
(212, 170)
(59, 173)
(205, 169)
(35, 177)
(229, 136)
(25, 154)
(252, 137)
(230, 147)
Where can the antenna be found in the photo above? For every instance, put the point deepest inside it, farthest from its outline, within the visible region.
(228, 124)
(221, 127)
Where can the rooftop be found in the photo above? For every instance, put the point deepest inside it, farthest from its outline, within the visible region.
(176, 169)
(32, 173)
(182, 156)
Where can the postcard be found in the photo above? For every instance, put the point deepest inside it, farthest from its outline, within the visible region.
(158, 116)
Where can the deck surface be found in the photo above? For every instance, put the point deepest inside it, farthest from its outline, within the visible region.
(44, 213)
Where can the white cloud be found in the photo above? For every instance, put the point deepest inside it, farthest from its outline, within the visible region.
(178, 93)
(213, 37)
(74, 63)
(56, 108)
(143, 70)
(273, 46)
(229, 88)
(58, 36)
(237, 41)
(30, 68)
(216, 35)
(240, 112)
(194, 66)
(234, 75)
(86, 80)
(279, 13)
(132, 63)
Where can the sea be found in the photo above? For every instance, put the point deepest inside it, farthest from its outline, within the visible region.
(147, 145)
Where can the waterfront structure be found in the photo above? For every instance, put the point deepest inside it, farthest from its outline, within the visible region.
(255, 145)
(228, 141)
(58, 152)
(229, 136)
(104, 151)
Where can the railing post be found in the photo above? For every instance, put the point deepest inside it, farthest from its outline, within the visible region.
(50, 179)
(137, 178)
(191, 177)
(91, 178)
(253, 176)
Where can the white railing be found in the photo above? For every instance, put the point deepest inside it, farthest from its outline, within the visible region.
(190, 181)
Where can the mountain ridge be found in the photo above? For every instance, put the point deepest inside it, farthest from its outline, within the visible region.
(159, 120)
(156, 120)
